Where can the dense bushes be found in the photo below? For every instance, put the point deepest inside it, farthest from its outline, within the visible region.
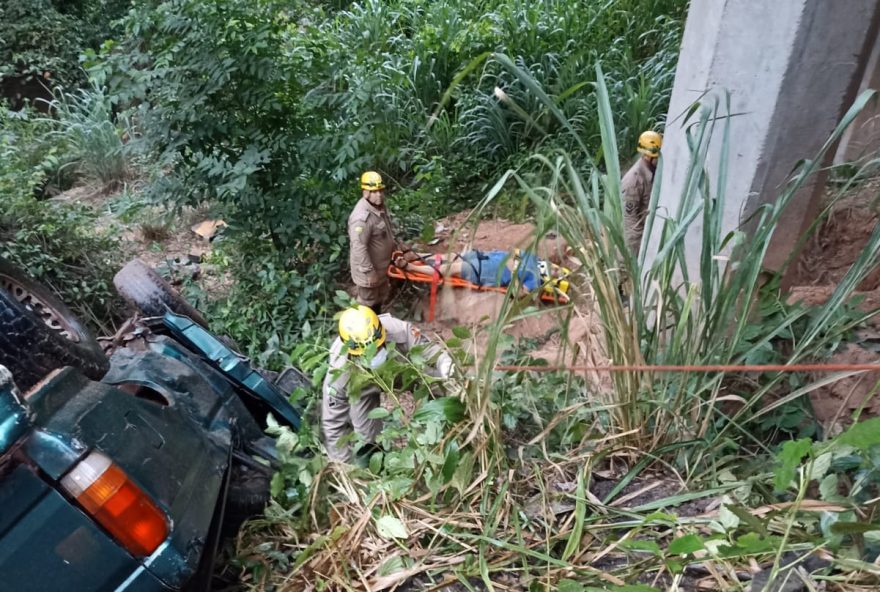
(270, 109)
(41, 42)
(55, 242)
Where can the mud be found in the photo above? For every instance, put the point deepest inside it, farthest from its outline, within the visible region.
(841, 239)
(842, 402)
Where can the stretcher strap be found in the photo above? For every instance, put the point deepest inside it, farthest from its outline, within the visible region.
(435, 281)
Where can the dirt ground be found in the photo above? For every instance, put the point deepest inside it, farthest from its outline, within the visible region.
(158, 239)
(841, 239)
(826, 259)
(170, 242)
(581, 342)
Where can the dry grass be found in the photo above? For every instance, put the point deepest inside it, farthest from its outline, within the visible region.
(525, 513)
(154, 232)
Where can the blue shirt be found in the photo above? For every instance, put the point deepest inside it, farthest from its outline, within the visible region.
(487, 268)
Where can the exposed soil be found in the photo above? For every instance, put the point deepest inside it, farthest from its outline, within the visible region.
(840, 240)
(827, 257)
(160, 240)
(559, 335)
(455, 234)
(836, 245)
(840, 403)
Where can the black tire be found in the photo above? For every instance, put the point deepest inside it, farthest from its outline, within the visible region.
(142, 287)
(39, 334)
(247, 496)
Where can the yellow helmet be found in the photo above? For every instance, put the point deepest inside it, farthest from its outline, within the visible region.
(372, 181)
(553, 278)
(359, 327)
(650, 143)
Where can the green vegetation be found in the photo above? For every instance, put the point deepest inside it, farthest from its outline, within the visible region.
(266, 111)
(56, 242)
(40, 156)
(273, 108)
(41, 41)
(512, 479)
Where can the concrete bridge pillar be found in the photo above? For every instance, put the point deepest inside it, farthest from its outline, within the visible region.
(792, 69)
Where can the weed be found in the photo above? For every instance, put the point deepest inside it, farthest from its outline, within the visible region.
(54, 242)
(84, 123)
(497, 483)
(154, 232)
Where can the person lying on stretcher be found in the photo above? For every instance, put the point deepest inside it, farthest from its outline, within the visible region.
(495, 268)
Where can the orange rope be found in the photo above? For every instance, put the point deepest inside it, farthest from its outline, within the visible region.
(706, 368)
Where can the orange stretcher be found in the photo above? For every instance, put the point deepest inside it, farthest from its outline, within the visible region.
(436, 280)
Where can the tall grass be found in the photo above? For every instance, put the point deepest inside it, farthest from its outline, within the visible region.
(675, 318)
(85, 123)
(522, 511)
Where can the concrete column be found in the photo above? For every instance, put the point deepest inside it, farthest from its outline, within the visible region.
(862, 139)
(792, 69)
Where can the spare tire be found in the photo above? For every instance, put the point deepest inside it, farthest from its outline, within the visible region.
(152, 295)
(38, 333)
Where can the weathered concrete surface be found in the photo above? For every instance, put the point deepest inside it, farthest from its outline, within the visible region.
(862, 139)
(792, 69)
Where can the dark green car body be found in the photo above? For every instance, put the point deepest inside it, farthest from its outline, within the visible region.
(170, 415)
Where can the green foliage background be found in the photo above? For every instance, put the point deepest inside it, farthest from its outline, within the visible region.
(41, 40)
(56, 243)
(40, 46)
(271, 109)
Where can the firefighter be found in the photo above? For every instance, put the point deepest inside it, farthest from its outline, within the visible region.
(372, 241)
(635, 189)
(360, 330)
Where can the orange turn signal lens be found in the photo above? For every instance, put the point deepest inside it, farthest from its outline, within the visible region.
(116, 503)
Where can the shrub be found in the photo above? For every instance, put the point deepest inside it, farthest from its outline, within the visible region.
(85, 125)
(55, 242)
(41, 41)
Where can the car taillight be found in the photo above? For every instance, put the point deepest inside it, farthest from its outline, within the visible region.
(116, 503)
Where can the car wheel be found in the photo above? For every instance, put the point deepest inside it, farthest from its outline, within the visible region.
(152, 295)
(248, 494)
(38, 333)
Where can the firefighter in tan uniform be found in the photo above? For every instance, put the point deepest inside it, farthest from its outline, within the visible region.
(359, 328)
(371, 243)
(635, 189)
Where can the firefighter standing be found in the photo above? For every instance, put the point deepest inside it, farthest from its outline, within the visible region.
(343, 412)
(635, 189)
(371, 243)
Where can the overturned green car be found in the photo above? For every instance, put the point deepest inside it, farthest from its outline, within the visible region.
(122, 473)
